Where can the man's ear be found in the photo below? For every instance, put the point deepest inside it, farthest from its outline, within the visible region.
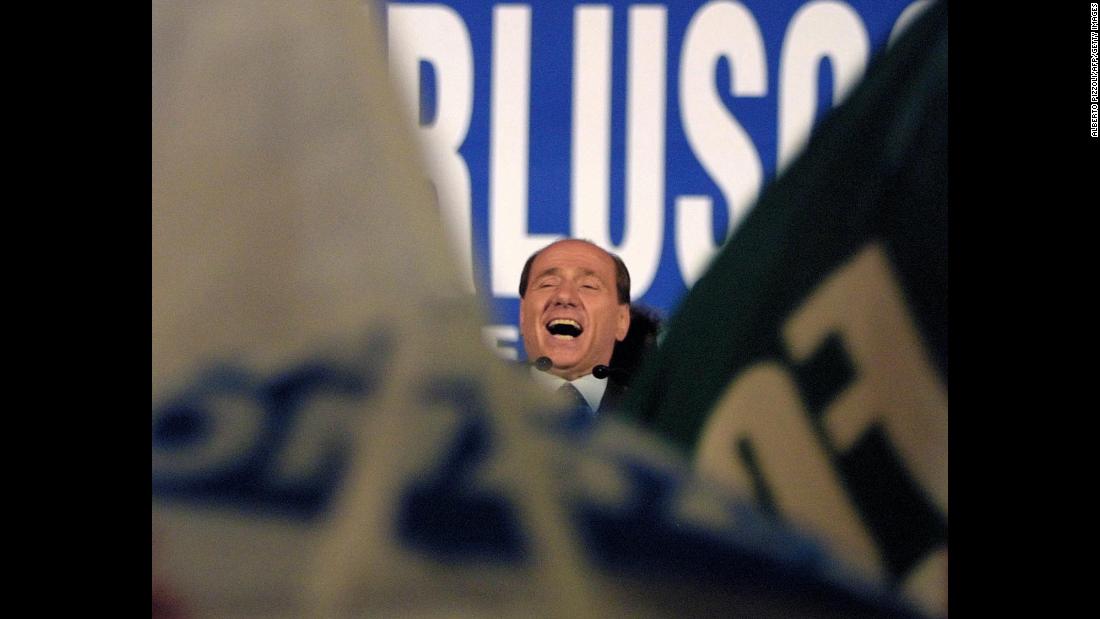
(624, 322)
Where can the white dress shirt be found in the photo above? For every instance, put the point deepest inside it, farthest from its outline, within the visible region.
(589, 386)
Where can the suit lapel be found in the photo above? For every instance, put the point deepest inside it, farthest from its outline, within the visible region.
(612, 396)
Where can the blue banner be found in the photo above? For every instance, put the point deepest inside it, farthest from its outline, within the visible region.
(648, 129)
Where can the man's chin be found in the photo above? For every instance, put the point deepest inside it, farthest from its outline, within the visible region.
(563, 355)
(571, 368)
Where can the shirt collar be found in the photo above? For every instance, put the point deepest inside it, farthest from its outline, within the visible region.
(589, 386)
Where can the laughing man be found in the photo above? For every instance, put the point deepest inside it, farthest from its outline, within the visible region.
(574, 306)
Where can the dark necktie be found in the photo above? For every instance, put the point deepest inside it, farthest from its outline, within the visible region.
(582, 413)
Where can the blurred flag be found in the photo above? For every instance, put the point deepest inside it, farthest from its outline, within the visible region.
(330, 437)
(808, 367)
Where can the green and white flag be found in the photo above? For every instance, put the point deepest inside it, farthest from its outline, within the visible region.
(808, 367)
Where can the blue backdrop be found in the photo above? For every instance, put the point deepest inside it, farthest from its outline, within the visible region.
(647, 128)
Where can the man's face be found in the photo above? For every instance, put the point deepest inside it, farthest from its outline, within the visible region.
(570, 311)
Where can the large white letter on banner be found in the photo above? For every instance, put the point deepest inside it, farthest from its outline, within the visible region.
(821, 29)
(438, 35)
(591, 146)
(721, 144)
(510, 242)
(643, 224)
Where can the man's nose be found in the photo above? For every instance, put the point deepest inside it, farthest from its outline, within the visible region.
(565, 295)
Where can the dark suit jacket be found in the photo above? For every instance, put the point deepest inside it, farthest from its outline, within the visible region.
(612, 397)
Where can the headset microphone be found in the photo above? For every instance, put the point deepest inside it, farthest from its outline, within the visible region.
(602, 371)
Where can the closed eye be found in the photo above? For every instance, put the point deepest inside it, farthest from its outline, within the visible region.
(589, 283)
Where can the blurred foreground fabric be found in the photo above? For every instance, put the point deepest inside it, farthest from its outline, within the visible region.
(330, 437)
(808, 367)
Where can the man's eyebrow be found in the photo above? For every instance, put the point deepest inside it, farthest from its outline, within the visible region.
(550, 271)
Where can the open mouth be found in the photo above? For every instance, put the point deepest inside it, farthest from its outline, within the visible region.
(564, 329)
